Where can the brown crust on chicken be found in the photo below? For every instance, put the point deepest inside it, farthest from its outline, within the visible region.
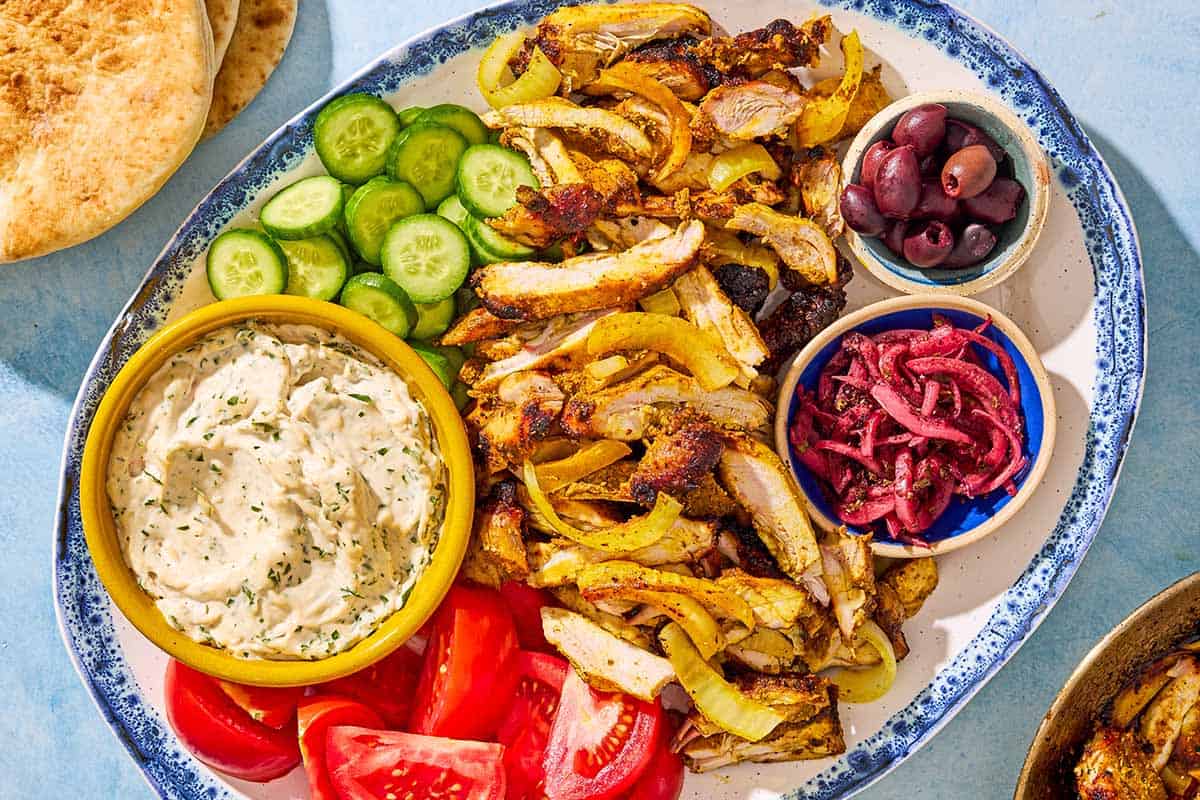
(795, 321)
(742, 545)
(497, 550)
(1114, 767)
(776, 45)
(676, 66)
(502, 433)
(542, 217)
(476, 325)
(676, 461)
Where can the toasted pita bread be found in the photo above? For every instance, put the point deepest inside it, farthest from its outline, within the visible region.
(262, 33)
(100, 102)
(222, 16)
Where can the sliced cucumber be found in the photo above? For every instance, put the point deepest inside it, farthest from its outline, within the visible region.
(488, 177)
(427, 255)
(459, 393)
(353, 134)
(408, 116)
(463, 120)
(374, 207)
(244, 262)
(342, 244)
(452, 209)
(359, 267)
(307, 208)
(377, 297)
(317, 267)
(347, 193)
(438, 362)
(427, 156)
(433, 319)
(453, 355)
(491, 245)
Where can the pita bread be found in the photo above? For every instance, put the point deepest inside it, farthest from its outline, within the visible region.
(100, 102)
(263, 30)
(222, 16)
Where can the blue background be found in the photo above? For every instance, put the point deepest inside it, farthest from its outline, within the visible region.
(1129, 72)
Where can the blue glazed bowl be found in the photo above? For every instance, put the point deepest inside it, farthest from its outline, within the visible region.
(966, 520)
(1016, 238)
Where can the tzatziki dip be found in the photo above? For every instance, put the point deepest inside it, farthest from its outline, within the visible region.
(277, 489)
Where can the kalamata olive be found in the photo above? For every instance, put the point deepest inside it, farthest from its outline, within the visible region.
(893, 237)
(934, 204)
(898, 183)
(961, 134)
(870, 162)
(923, 127)
(997, 204)
(968, 172)
(973, 246)
(931, 166)
(929, 245)
(859, 211)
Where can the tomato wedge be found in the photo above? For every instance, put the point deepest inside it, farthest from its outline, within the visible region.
(466, 681)
(525, 730)
(367, 764)
(270, 706)
(663, 778)
(526, 603)
(600, 744)
(215, 730)
(315, 716)
(386, 686)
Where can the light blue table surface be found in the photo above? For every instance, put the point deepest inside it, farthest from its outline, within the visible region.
(1129, 70)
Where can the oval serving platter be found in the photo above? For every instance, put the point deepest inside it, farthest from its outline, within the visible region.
(1080, 301)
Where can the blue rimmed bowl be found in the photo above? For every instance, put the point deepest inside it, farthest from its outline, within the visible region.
(1015, 239)
(966, 520)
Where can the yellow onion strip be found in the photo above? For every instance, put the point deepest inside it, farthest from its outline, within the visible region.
(822, 119)
(866, 685)
(716, 698)
(664, 302)
(553, 475)
(701, 352)
(724, 247)
(496, 82)
(733, 165)
(638, 532)
(611, 576)
(627, 77)
(699, 625)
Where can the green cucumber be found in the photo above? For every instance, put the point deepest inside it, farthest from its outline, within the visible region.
(488, 177)
(427, 157)
(491, 246)
(317, 267)
(309, 207)
(375, 205)
(243, 262)
(433, 319)
(438, 362)
(353, 135)
(408, 116)
(377, 297)
(427, 255)
(452, 209)
(461, 119)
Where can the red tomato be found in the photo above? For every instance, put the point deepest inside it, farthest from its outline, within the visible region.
(386, 686)
(526, 729)
(663, 778)
(600, 743)
(270, 706)
(216, 731)
(466, 681)
(379, 765)
(315, 716)
(526, 603)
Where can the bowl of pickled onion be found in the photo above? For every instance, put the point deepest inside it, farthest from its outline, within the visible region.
(926, 420)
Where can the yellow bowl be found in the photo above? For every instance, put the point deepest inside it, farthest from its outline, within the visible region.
(100, 529)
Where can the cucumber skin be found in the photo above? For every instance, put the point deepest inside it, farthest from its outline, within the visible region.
(266, 241)
(319, 228)
(486, 252)
(360, 196)
(375, 282)
(474, 131)
(428, 325)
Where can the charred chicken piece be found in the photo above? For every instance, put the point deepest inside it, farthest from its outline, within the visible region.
(476, 325)
(555, 342)
(741, 545)
(1162, 721)
(677, 67)
(795, 321)
(1115, 767)
(817, 175)
(706, 306)
(747, 287)
(542, 217)
(748, 110)
(900, 593)
(505, 428)
(675, 462)
(777, 45)
(606, 130)
(497, 550)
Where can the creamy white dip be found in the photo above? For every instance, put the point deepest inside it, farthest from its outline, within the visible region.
(277, 489)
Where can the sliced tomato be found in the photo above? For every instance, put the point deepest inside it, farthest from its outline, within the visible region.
(314, 717)
(215, 730)
(270, 706)
(386, 686)
(367, 764)
(525, 730)
(466, 680)
(663, 778)
(600, 744)
(526, 604)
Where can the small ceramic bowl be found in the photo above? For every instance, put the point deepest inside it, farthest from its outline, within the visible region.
(1016, 237)
(1153, 630)
(965, 521)
(100, 529)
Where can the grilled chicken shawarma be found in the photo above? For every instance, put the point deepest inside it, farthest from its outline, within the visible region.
(611, 132)
(476, 325)
(604, 658)
(705, 305)
(547, 154)
(1163, 718)
(580, 40)
(530, 290)
(899, 594)
(676, 66)
(506, 428)
(778, 45)
(543, 216)
(850, 578)
(625, 411)
(818, 177)
(1114, 767)
(497, 550)
(675, 462)
(795, 321)
(800, 242)
(749, 110)
(755, 476)
(556, 342)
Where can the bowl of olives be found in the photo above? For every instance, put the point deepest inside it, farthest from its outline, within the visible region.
(944, 191)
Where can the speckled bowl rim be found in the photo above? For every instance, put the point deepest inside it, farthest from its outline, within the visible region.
(1041, 459)
(101, 532)
(1039, 198)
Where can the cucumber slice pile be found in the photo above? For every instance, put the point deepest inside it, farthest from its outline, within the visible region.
(373, 208)
(378, 297)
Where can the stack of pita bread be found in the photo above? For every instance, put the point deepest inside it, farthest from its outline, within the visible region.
(101, 101)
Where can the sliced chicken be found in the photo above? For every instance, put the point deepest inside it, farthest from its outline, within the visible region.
(755, 476)
(541, 217)
(706, 306)
(800, 242)
(712, 207)
(604, 660)
(794, 322)
(692, 175)
(497, 550)
(553, 343)
(505, 429)
(819, 179)
(581, 40)
(531, 290)
(476, 325)
(1162, 720)
(611, 132)
(778, 45)
(899, 594)
(778, 604)
(675, 462)
(548, 156)
(750, 110)
(569, 597)
(625, 411)
(1186, 756)
(673, 63)
(1114, 767)
(850, 579)
(624, 233)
